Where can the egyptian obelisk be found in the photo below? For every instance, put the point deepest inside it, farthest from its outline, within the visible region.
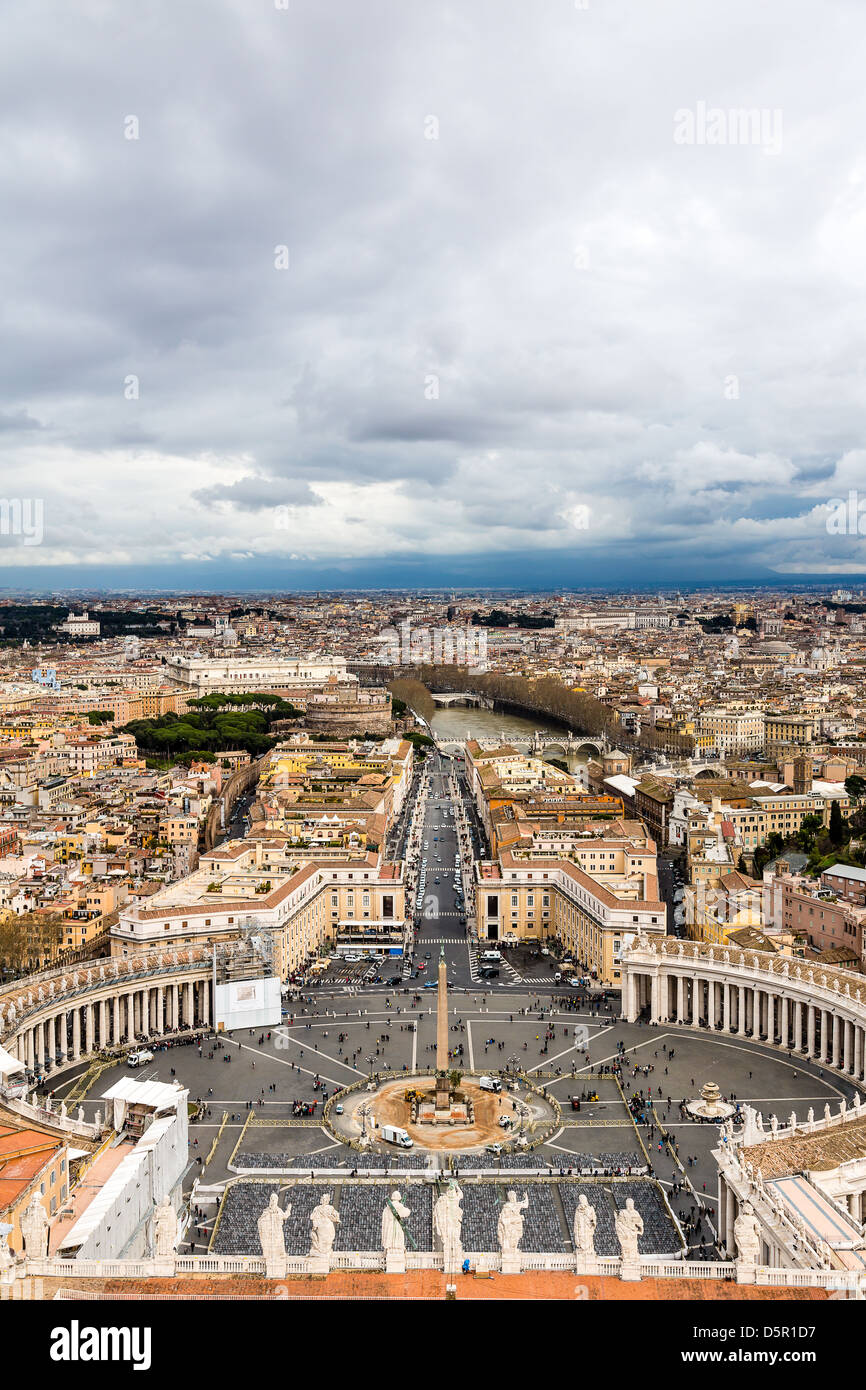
(443, 1092)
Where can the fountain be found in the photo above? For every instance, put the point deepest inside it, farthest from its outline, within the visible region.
(710, 1106)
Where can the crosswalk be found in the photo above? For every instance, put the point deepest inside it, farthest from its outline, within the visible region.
(442, 940)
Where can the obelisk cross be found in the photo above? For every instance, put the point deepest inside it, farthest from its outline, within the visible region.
(443, 1096)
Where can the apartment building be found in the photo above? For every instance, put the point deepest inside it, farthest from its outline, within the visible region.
(653, 803)
(810, 910)
(729, 733)
(232, 674)
(784, 730)
(717, 907)
(251, 885)
(31, 1164)
(591, 907)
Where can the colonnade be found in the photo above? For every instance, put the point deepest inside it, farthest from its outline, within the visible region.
(805, 1010)
(67, 1029)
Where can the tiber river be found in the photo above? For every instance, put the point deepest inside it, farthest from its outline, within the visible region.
(467, 721)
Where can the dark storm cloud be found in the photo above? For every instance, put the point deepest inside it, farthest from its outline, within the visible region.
(252, 494)
(508, 292)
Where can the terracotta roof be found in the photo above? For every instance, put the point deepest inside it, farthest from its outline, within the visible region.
(821, 1150)
(424, 1285)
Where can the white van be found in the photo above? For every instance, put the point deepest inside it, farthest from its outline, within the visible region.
(491, 955)
(138, 1059)
(490, 1083)
(393, 1134)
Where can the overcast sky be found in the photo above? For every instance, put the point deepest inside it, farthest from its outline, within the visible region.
(527, 306)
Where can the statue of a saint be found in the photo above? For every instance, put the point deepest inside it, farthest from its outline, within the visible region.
(447, 1222)
(393, 1234)
(629, 1227)
(585, 1222)
(747, 1234)
(324, 1219)
(34, 1229)
(164, 1229)
(510, 1226)
(270, 1225)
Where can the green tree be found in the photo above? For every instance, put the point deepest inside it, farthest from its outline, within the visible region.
(855, 786)
(837, 824)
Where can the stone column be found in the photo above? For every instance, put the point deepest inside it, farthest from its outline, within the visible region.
(858, 1051)
(115, 1019)
(76, 1033)
(89, 1021)
(741, 1011)
(103, 1022)
(726, 1007)
(681, 999)
(696, 1001)
(160, 1009)
(848, 1027)
(784, 1023)
(628, 996)
(798, 1025)
(810, 1030)
(655, 991)
(50, 1040)
(205, 1002)
(731, 1207)
(187, 1003)
(837, 1040)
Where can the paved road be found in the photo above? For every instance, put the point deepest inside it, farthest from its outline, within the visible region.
(440, 920)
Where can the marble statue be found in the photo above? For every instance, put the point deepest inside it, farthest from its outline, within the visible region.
(270, 1226)
(747, 1234)
(80, 1114)
(393, 1216)
(447, 1223)
(585, 1222)
(34, 1229)
(629, 1226)
(164, 1229)
(324, 1219)
(510, 1225)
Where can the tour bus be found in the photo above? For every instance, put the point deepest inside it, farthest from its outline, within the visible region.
(393, 1134)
